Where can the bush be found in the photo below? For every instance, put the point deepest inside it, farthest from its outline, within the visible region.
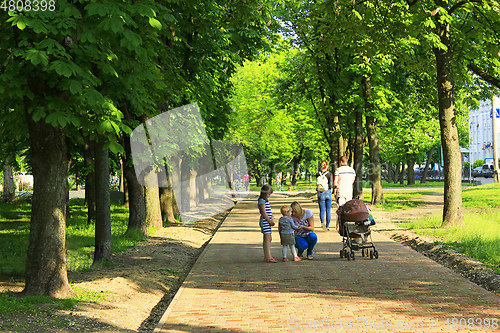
(478, 163)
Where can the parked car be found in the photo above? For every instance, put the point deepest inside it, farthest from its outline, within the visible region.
(487, 170)
(477, 172)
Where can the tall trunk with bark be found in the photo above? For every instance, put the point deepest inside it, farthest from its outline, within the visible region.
(358, 156)
(90, 193)
(137, 203)
(452, 209)
(427, 164)
(373, 143)
(389, 172)
(167, 204)
(123, 184)
(102, 251)
(152, 197)
(46, 266)
(9, 188)
(194, 199)
(296, 162)
(411, 171)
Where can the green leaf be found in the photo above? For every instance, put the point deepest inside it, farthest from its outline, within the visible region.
(155, 23)
(63, 69)
(75, 87)
(30, 94)
(114, 147)
(358, 15)
(21, 24)
(36, 57)
(38, 114)
(75, 121)
(62, 121)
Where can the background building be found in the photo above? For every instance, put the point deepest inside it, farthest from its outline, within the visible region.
(481, 131)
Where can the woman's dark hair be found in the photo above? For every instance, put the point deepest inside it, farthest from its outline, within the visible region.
(265, 189)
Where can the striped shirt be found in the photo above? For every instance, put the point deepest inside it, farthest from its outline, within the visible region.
(264, 224)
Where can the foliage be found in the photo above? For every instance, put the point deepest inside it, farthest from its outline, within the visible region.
(272, 131)
(477, 163)
(14, 228)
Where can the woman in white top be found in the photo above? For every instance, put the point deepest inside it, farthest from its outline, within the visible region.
(305, 238)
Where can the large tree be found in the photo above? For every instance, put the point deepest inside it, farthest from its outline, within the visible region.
(63, 61)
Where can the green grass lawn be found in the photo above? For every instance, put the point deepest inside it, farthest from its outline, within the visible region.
(80, 241)
(479, 238)
(80, 237)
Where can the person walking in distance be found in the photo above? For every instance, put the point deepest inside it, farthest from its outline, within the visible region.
(342, 182)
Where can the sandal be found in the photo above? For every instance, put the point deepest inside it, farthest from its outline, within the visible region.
(297, 259)
(271, 260)
(285, 259)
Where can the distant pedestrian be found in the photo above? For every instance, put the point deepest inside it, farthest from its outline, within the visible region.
(246, 179)
(286, 226)
(343, 180)
(266, 221)
(278, 181)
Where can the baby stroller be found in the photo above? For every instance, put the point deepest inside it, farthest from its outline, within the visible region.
(353, 224)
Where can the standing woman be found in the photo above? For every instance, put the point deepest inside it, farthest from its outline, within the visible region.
(324, 188)
(305, 238)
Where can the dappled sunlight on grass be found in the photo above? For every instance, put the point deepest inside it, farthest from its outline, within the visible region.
(479, 238)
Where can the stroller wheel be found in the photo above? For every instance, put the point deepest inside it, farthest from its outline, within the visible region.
(371, 254)
(375, 254)
(341, 253)
(352, 256)
(347, 256)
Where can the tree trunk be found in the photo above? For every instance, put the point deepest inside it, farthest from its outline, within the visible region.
(411, 171)
(296, 162)
(402, 173)
(137, 203)
(103, 250)
(358, 156)
(46, 270)
(90, 193)
(185, 176)
(123, 184)
(9, 188)
(375, 174)
(427, 163)
(452, 209)
(373, 143)
(153, 211)
(193, 188)
(390, 172)
(167, 204)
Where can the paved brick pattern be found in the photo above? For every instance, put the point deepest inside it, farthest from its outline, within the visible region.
(231, 289)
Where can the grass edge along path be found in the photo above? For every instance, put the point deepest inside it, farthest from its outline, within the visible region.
(479, 238)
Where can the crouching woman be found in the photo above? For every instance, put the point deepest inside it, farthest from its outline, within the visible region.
(305, 237)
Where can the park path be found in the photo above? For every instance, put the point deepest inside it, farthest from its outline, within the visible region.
(231, 289)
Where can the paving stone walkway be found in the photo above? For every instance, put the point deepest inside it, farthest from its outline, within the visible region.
(232, 289)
